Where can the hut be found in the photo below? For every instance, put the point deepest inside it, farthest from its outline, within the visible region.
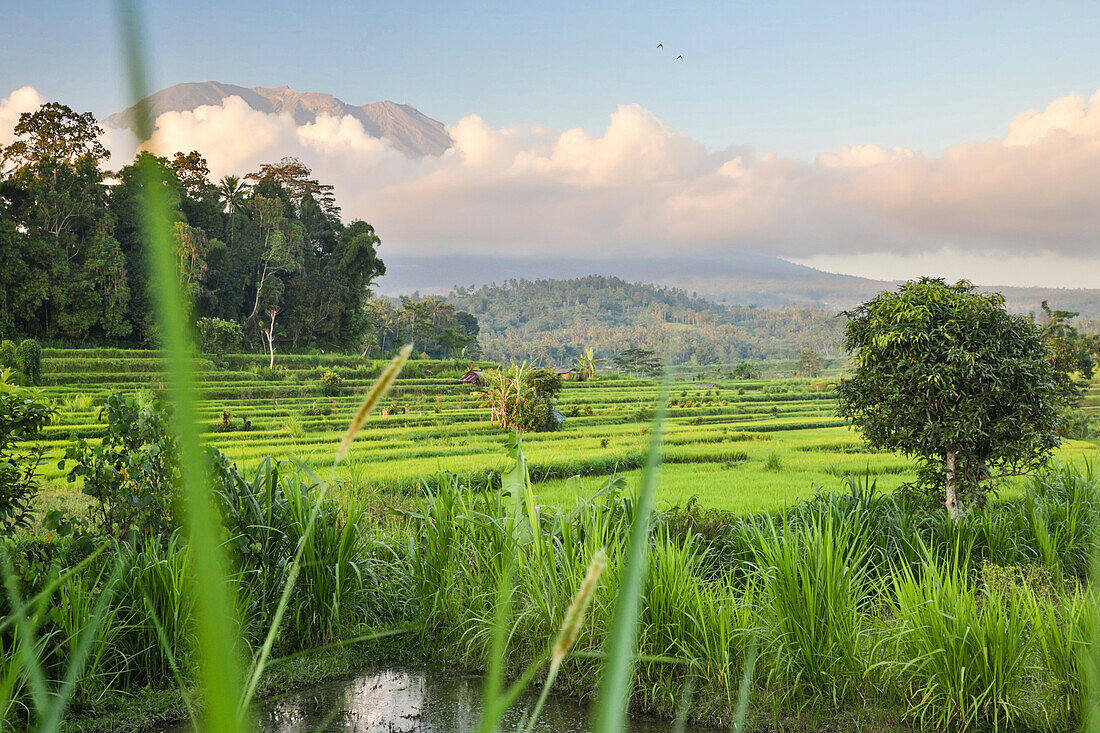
(567, 373)
(471, 377)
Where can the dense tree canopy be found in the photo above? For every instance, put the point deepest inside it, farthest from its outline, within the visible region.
(73, 268)
(944, 373)
(554, 321)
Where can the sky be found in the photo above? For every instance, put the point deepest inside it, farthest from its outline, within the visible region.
(881, 139)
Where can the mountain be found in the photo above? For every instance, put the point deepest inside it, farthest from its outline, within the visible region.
(735, 279)
(410, 131)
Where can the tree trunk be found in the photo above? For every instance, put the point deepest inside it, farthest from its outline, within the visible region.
(269, 335)
(953, 503)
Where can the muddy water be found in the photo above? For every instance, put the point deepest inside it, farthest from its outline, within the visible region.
(414, 701)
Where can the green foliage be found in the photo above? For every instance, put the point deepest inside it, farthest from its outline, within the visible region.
(943, 373)
(331, 383)
(28, 359)
(219, 336)
(521, 399)
(7, 355)
(810, 363)
(638, 362)
(23, 413)
(132, 472)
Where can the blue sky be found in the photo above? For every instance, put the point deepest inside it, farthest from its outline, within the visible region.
(798, 78)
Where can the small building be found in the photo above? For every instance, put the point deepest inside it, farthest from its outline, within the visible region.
(567, 373)
(471, 377)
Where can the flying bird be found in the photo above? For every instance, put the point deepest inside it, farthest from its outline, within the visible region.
(679, 58)
(660, 45)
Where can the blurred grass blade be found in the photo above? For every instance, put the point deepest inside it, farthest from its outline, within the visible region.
(618, 667)
(745, 688)
(217, 625)
(377, 392)
(513, 482)
(570, 628)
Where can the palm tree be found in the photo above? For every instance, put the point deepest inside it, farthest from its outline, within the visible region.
(586, 364)
(231, 193)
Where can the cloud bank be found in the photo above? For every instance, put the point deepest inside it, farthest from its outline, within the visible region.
(642, 187)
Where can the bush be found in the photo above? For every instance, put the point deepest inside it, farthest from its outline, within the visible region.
(132, 473)
(23, 412)
(28, 359)
(219, 336)
(7, 355)
(331, 383)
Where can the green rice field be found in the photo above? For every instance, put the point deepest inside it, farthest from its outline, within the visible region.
(736, 445)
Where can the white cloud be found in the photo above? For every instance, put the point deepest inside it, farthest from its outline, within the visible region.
(25, 99)
(642, 187)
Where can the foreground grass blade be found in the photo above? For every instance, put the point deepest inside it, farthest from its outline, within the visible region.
(217, 626)
(377, 392)
(622, 638)
(513, 482)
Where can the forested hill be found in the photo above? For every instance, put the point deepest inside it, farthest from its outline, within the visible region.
(554, 320)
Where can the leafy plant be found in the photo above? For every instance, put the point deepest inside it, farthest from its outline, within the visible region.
(331, 383)
(23, 412)
(132, 472)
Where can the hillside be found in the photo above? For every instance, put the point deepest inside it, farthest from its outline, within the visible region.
(410, 131)
(735, 278)
(554, 320)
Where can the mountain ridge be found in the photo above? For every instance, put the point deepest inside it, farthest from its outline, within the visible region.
(404, 126)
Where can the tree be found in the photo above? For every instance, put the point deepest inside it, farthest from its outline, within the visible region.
(231, 194)
(192, 171)
(281, 245)
(55, 160)
(218, 336)
(943, 373)
(293, 177)
(745, 370)
(1071, 353)
(809, 363)
(586, 364)
(638, 362)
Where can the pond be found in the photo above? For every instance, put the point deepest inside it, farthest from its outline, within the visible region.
(415, 700)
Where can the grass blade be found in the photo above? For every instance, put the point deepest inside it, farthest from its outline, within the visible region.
(219, 656)
(618, 668)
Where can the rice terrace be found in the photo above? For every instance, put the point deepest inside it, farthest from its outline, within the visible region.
(317, 416)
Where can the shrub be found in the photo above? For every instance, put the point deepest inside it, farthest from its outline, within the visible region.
(7, 355)
(28, 359)
(774, 462)
(219, 336)
(23, 412)
(132, 473)
(331, 383)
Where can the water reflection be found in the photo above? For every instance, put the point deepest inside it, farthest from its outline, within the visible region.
(414, 701)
